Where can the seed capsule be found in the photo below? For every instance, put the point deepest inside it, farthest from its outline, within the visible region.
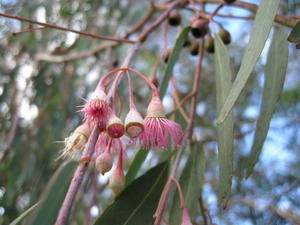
(199, 28)
(229, 1)
(209, 45)
(166, 54)
(225, 36)
(194, 48)
(174, 18)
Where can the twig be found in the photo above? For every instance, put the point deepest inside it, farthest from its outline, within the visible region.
(216, 10)
(11, 135)
(157, 22)
(77, 179)
(27, 30)
(84, 33)
(196, 88)
(141, 23)
(203, 209)
(177, 102)
(253, 8)
(164, 196)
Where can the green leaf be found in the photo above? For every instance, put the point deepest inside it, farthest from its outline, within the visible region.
(136, 165)
(23, 215)
(54, 194)
(172, 60)
(260, 32)
(224, 130)
(191, 181)
(274, 80)
(137, 203)
(295, 33)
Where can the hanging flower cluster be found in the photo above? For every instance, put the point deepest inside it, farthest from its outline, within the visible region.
(154, 131)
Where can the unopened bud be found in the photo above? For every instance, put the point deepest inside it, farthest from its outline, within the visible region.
(117, 181)
(115, 127)
(155, 108)
(104, 162)
(134, 123)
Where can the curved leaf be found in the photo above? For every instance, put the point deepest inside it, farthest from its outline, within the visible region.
(274, 79)
(137, 203)
(53, 195)
(23, 215)
(224, 130)
(136, 165)
(260, 32)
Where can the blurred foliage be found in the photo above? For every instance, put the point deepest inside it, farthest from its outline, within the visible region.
(42, 98)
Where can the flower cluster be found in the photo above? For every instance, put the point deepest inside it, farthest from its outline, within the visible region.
(154, 131)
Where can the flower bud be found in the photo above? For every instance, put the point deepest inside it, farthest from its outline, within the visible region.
(134, 123)
(185, 217)
(104, 162)
(115, 127)
(155, 108)
(117, 180)
(209, 45)
(199, 27)
(174, 18)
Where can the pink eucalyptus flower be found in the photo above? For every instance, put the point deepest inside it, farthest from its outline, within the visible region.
(158, 129)
(97, 109)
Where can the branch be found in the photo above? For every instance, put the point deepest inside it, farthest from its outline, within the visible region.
(84, 33)
(285, 214)
(164, 196)
(66, 207)
(253, 8)
(97, 48)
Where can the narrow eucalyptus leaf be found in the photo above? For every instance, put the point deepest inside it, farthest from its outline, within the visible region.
(260, 32)
(172, 60)
(54, 194)
(24, 214)
(136, 165)
(224, 130)
(274, 80)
